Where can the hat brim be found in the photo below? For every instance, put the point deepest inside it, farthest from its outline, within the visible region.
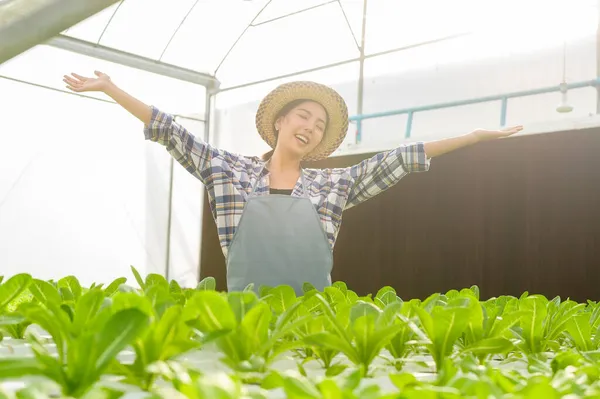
(334, 104)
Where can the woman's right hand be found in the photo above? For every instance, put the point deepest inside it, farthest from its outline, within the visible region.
(78, 83)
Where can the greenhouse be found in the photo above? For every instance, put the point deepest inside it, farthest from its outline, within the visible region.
(173, 176)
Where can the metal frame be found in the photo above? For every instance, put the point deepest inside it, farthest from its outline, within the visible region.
(25, 23)
(135, 61)
(503, 98)
(345, 62)
(361, 73)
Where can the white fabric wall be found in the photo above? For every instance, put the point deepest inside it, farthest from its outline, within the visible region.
(81, 191)
(460, 69)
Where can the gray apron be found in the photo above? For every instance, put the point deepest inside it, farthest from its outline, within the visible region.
(280, 240)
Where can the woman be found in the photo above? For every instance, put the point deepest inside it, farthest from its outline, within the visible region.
(278, 222)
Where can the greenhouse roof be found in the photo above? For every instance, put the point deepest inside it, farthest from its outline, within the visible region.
(246, 41)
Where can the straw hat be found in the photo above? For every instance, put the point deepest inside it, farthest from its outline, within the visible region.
(334, 104)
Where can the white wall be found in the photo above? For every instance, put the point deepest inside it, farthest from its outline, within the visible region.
(456, 70)
(81, 191)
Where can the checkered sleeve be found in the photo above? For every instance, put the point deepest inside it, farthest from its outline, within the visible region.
(192, 153)
(380, 172)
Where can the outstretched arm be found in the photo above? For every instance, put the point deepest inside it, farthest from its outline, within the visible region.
(439, 147)
(375, 175)
(193, 154)
(103, 83)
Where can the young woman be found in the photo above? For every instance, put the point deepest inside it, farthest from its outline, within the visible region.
(278, 222)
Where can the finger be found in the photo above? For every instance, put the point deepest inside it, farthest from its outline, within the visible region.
(98, 73)
(82, 78)
(75, 89)
(69, 80)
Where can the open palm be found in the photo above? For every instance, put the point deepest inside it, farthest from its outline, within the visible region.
(78, 83)
(484, 134)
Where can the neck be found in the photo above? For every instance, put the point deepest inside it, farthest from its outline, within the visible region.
(283, 163)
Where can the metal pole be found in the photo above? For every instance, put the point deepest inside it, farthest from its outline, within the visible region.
(27, 23)
(361, 73)
(207, 127)
(169, 219)
(134, 61)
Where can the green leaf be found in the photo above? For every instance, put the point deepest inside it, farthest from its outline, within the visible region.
(170, 336)
(138, 278)
(340, 285)
(300, 388)
(490, 346)
(71, 284)
(10, 319)
(335, 297)
(11, 368)
(120, 330)
(353, 380)
(207, 284)
(474, 329)
(86, 309)
(12, 288)
(532, 322)
(443, 327)
(386, 296)
(308, 287)
(128, 300)
(580, 331)
(338, 327)
(209, 311)
(565, 312)
(256, 325)
(330, 390)
(44, 292)
(114, 286)
(501, 327)
(53, 320)
(281, 298)
(241, 302)
(364, 309)
(404, 380)
(31, 392)
(330, 341)
(336, 369)
(154, 279)
(216, 386)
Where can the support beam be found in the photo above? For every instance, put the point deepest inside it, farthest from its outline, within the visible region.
(134, 61)
(345, 62)
(27, 23)
(361, 74)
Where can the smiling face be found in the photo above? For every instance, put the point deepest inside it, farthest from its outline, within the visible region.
(300, 128)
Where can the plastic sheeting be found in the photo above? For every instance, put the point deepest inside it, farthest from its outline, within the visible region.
(81, 191)
(245, 41)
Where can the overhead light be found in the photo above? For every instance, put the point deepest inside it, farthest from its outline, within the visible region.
(564, 106)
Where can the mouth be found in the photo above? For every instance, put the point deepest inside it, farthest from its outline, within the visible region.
(302, 139)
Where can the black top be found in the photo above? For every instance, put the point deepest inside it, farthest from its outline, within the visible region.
(278, 191)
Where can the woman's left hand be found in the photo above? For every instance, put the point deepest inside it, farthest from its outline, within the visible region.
(484, 135)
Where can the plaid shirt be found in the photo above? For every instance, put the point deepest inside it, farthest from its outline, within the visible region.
(229, 178)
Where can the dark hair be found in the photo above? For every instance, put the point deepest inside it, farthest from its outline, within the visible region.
(283, 112)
